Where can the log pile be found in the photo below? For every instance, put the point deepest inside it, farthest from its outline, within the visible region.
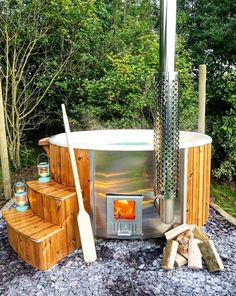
(188, 245)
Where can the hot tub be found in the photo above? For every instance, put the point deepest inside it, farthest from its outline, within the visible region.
(116, 168)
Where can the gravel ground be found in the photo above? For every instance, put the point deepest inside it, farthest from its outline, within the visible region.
(123, 268)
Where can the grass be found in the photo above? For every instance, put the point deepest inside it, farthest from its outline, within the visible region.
(224, 197)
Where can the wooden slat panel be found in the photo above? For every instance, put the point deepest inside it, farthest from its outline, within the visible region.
(204, 185)
(47, 215)
(80, 162)
(64, 161)
(32, 200)
(39, 208)
(195, 184)
(70, 177)
(57, 156)
(208, 181)
(200, 212)
(189, 186)
(86, 182)
(52, 161)
(198, 184)
(71, 210)
(57, 212)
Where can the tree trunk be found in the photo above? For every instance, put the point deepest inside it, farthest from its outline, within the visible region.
(3, 151)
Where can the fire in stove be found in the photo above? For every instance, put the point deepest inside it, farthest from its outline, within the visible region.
(124, 209)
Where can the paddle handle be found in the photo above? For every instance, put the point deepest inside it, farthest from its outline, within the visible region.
(72, 157)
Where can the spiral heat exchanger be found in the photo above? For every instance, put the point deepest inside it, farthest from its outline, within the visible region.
(166, 127)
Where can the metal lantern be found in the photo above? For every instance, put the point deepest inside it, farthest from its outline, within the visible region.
(20, 194)
(43, 168)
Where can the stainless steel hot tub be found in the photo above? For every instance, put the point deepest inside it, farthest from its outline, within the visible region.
(120, 168)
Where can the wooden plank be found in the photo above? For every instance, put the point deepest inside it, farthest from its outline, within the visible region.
(45, 233)
(200, 212)
(57, 156)
(39, 200)
(69, 224)
(195, 184)
(70, 177)
(32, 200)
(194, 255)
(171, 234)
(223, 213)
(63, 165)
(189, 205)
(208, 181)
(52, 161)
(86, 185)
(37, 229)
(169, 255)
(211, 256)
(47, 214)
(80, 163)
(60, 243)
(58, 212)
(204, 186)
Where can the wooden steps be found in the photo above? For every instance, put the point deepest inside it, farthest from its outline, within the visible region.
(36, 241)
(48, 231)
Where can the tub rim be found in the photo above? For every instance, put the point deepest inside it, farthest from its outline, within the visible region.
(103, 140)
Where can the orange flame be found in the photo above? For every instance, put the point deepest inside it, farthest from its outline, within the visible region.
(124, 209)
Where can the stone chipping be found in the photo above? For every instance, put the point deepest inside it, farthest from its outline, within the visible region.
(124, 267)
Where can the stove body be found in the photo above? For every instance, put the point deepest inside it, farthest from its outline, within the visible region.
(126, 178)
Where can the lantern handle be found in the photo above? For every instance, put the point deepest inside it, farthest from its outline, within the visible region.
(40, 155)
(19, 179)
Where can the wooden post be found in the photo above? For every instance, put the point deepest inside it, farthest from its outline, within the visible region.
(3, 151)
(202, 99)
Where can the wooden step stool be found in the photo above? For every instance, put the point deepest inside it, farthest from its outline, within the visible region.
(48, 231)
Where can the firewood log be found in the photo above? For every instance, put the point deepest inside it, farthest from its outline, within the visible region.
(211, 256)
(199, 234)
(173, 233)
(169, 255)
(194, 255)
(180, 260)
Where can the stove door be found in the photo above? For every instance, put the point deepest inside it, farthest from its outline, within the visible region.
(124, 214)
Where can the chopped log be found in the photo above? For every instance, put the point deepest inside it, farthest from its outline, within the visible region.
(199, 234)
(182, 239)
(180, 260)
(184, 254)
(169, 255)
(189, 234)
(211, 256)
(183, 249)
(171, 234)
(194, 255)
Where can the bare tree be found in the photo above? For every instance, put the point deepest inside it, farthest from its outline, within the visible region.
(3, 151)
(31, 58)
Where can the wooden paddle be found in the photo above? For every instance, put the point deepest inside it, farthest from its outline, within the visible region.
(84, 223)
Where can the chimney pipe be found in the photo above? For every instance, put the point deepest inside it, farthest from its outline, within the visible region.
(166, 128)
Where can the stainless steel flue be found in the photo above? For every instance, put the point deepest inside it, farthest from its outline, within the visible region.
(166, 129)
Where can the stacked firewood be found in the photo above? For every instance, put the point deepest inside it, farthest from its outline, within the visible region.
(188, 244)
